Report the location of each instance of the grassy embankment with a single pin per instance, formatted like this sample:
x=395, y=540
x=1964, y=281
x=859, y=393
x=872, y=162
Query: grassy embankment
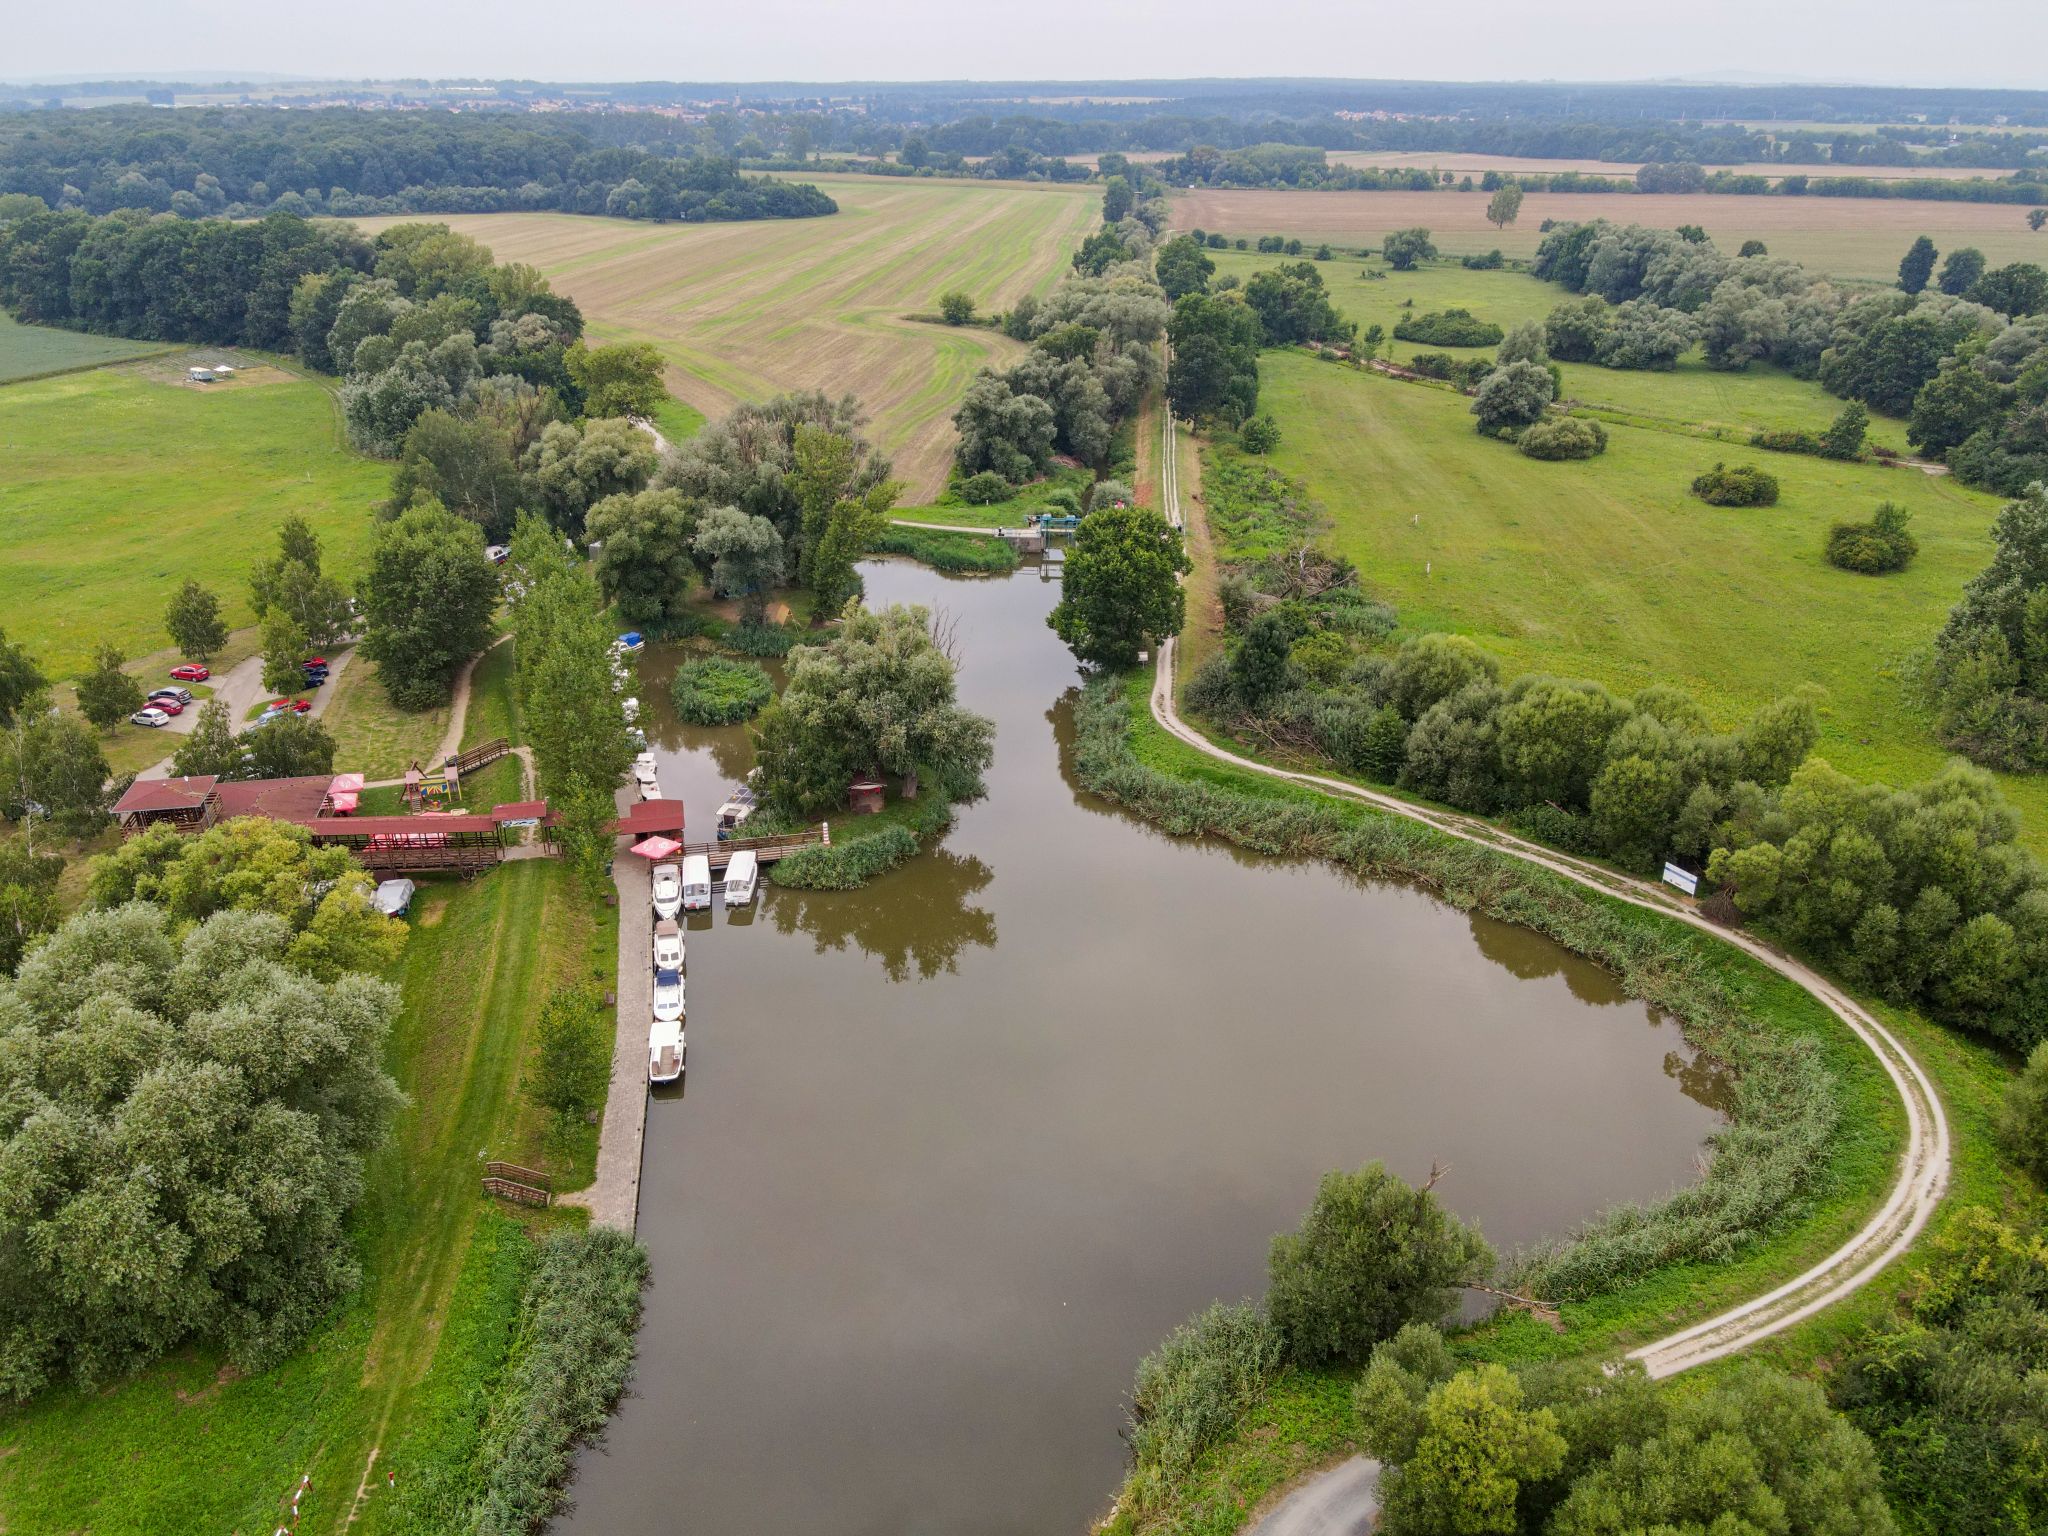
x=198, y=1446
x=1306, y=1419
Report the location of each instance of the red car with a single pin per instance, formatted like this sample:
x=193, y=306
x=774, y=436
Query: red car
x=314, y=661
x=168, y=706
x=191, y=672
x=296, y=706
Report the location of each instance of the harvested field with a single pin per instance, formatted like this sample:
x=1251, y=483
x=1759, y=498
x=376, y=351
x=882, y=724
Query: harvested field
x=747, y=310
x=1477, y=164
x=1846, y=237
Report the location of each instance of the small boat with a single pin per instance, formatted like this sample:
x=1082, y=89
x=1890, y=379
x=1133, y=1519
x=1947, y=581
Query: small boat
x=631, y=643
x=644, y=777
x=665, y=1051
x=742, y=874
x=668, y=945
x=695, y=884
x=668, y=889
x=668, y=996
x=732, y=815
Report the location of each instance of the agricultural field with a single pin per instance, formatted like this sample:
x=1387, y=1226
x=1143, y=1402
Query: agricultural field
x=746, y=310
x=1476, y=165
x=36, y=351
x=1609, y=569
x=1692, y=394
x=1845, y=237
x=118, y=484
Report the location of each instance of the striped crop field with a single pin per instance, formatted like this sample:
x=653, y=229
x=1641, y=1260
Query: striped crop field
x=746, y=310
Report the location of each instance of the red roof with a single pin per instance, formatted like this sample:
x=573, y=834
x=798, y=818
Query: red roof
x=523, y=810
x=296, y=800
x=649, y=816
x=165, y=795
x=372, y=826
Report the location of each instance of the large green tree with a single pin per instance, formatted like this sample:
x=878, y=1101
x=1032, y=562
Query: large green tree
x=195, y=1184
x=20, y=678
x=194, y=623
x=1120, y=588
x=426, y=600
x=1917, y=265
x=1373, y=1255
x=52, y=760
x=744, y=554
x=643, y=554
x=465, y=462
x=28, y=898
x=1403, y=248
x=843, y=513
x=622, y=379
x=575, y=465
x=107, y=694
x=877, y=697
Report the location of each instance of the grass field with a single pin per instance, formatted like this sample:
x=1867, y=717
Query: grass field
x=192, y=1445
x=747, y=310
x=32, y=351
x=1859, y=238
x=1691, y=394
x=118, y=484
x=1609, y=569
x=372, y=736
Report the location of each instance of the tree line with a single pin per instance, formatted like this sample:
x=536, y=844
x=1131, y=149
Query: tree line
x=239, y=163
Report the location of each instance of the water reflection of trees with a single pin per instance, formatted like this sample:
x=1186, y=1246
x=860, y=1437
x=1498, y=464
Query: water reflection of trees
x=1525, y=953
x=1702, y=1079
x=917, y=918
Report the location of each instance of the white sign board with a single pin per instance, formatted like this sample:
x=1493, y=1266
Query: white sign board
x=1684, y=879
x=521, y=821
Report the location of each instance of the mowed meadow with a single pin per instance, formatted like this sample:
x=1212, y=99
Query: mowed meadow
x=742, y=311
x=1845, y=237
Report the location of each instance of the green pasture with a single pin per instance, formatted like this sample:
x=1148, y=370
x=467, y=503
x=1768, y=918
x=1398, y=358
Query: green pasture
x=118, y=484
x=1610, y=569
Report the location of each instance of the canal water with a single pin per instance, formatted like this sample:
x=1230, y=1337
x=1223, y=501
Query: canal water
x=957, y=1149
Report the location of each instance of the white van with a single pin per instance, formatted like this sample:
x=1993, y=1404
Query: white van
x=696, y=883
x=741, y=876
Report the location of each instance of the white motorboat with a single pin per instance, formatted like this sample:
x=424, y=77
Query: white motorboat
x=668, y=996
x=665, y=1051
x=742, y=874
x=696, y=884
x=668, y=889
x=668, y=945
x=648, y=784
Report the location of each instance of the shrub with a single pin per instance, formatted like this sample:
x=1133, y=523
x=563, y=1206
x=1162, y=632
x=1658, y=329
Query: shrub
x=1880, y=545
x=570, y=1361
x=1372, y=1254
x=944, y=549
x=1844, y=436
x=1742, y=485
x=1259, y=435
x=2023, y=1115
x=1786, y=440
x=1565, y=437
x=758, y=639
x=1449, y=328
x=984, y=489
x=956, y=308
x=1490, y=262
x=1513, y=396
x=717, y=691
x=1192, y=1391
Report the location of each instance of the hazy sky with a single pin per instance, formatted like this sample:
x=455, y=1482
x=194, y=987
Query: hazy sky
x=1955, y=42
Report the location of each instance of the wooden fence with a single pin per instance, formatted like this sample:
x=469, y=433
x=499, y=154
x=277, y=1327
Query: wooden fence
x=766, y=849
x=525, y=1186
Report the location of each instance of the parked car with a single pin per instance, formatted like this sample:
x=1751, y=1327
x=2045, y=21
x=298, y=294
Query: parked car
x=168, y=706
x=394, y=897
x=149, y=717
x=190, y=672
x=314, y=661
x=668, y=995
x=668, y=890
x=668, y=945
x=182, y=695
x=284, y=706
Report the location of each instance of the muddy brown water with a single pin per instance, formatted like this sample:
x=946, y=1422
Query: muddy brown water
x=957, y=1149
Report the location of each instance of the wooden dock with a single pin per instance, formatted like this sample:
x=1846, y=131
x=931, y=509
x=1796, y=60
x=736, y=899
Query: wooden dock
x=525, y=1186
x=766, y=849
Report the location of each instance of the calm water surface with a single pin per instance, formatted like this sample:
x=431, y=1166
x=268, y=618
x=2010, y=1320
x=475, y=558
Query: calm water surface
x=956, y=1150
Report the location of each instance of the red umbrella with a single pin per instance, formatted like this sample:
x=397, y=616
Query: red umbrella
x=657, y=847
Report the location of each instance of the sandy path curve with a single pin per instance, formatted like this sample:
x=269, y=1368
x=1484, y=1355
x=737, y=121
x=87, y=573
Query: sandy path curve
x=1923, y=1167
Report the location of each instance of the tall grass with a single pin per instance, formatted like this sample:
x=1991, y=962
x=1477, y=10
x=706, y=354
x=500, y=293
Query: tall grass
x=945, y=550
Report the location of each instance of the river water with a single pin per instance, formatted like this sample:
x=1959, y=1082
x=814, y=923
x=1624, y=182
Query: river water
x=957, y=1149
